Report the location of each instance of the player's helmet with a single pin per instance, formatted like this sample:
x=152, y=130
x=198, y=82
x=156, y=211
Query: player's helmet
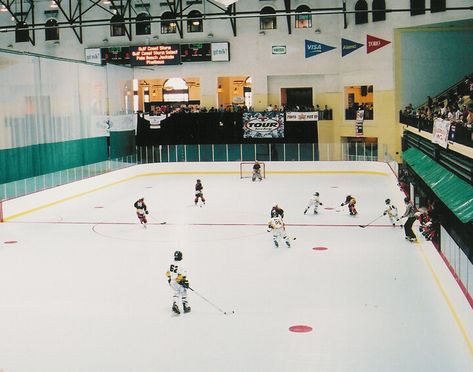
x=316, y=193
x=178, y=255
x=198, y=180
x=388, y=201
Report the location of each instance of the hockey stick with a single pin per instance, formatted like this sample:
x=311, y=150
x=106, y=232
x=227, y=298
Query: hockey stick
x=211, y=303
x=161, y=223
x=369, y=223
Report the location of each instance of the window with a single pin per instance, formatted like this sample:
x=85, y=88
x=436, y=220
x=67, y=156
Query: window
x=143, y=24
x=51, y=31
x=267, y=20
x=175, y=90
x=379, y=10
x=117, y=25
x=361, y=15
x=303, y=20
x=22, y=33
x=359, y=98
x=168, y=23
x=438, y=6
x=194, y=23
x=417, y=7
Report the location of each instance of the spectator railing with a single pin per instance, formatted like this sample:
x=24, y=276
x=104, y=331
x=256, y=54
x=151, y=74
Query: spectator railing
x=458, y=133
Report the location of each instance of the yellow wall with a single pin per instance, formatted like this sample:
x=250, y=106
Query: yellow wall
x=385, y=126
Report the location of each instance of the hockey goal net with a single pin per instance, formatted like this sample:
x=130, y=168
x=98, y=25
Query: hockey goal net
x=246, y=169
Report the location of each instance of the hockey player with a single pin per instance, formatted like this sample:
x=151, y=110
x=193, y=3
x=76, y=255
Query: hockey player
x=177, y=279
x=256, y=172
x=410, y=213
x=199, y=193
x=276, y=226
x=351, y=202
x=141, y=211
x=313, y=202
x=391, y=211
x=276, y=211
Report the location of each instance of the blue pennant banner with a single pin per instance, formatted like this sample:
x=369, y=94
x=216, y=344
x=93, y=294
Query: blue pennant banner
x=312, y=48
x=349, y=46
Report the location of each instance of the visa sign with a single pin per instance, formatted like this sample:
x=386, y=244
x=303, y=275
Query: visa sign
x=313, y=48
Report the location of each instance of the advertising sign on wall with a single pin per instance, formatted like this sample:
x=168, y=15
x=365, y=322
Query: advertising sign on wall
x=302, y=116
x=220, y=52
x=152, y=55
x=263, y=125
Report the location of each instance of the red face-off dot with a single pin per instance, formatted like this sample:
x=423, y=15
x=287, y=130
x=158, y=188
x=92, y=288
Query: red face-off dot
x=320, y=248
x=300, y=328
x=10, y=242
x=329, y=208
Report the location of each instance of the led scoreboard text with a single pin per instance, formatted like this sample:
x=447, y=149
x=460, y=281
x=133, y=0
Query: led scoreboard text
x=151, y=55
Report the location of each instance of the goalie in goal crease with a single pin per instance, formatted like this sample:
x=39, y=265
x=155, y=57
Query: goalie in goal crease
x=255, y=171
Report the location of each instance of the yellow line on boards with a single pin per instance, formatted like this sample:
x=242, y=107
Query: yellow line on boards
x=448, y=301
x=66, y=199
x=195, y=172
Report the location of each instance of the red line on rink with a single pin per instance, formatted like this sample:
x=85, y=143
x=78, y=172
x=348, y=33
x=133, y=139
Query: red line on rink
x=191, y=224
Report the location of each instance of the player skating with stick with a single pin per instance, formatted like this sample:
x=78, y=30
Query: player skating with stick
x=351, y=202
x=199, y=194
x=314, y=201
x=276, y=226
x=391, y=211
x=177, y=279
x=141, y=211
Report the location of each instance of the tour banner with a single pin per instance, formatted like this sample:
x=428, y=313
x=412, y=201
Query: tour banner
x=440, y=132
x=263, y=125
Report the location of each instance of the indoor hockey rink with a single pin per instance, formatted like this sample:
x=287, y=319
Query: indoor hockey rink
x=83, y=285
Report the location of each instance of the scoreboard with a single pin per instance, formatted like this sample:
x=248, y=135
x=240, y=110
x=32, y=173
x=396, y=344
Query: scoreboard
x=159, y=55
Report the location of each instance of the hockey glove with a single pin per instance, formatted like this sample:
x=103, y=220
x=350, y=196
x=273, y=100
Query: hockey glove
x=184, y=282
x=146, y=212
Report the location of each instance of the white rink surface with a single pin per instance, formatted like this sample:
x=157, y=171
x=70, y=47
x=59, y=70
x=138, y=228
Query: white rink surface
x=84, y=287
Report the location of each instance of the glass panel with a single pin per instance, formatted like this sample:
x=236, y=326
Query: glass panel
x=291, y=152
x=234, y=153
x=192, y=153
x=220, y=153
x=172, y=153
x=248, y=150
x=181, y=153
x=307, y=152
x=206, y=153
x=277, y=152
x=262, y=151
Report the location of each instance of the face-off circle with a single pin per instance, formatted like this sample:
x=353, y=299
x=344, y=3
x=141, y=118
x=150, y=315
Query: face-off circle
x=300, y=329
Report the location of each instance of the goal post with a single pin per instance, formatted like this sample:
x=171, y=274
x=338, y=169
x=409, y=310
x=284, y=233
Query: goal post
x=246, y=169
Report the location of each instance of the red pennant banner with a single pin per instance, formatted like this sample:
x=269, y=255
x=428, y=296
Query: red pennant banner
x=374, y=43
